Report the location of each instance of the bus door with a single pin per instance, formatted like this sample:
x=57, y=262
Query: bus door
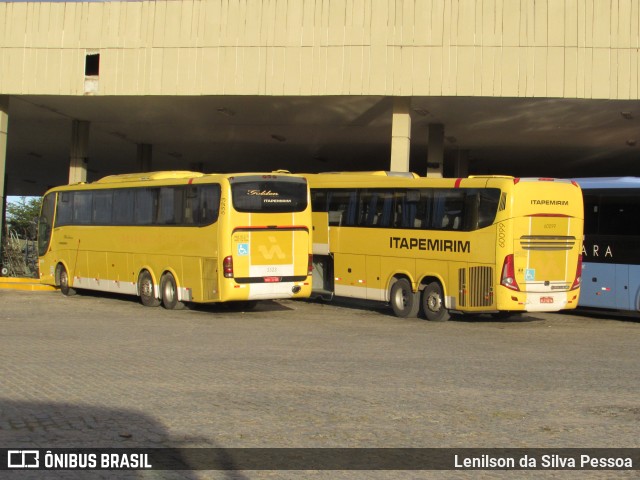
x=322, y=279
x=542, y=256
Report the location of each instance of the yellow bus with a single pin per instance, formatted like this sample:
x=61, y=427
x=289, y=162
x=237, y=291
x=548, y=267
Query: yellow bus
x=484, y=244
x=176, y=237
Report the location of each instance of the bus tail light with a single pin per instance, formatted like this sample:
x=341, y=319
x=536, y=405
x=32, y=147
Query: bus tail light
x=227, y=267
x=578, y=281
x=508, y=274
x=310, y=265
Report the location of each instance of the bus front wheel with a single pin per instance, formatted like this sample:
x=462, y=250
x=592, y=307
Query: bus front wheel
x=63, y=281
x=169, y=291
x=147, y=290
x=433, y=303
x=404, y=302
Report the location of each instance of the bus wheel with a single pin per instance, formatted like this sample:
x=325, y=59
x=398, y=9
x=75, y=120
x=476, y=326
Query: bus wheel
x=169, y=291
x=433, y=303
x=63, y=281
x=404, y=302
x=147, y=290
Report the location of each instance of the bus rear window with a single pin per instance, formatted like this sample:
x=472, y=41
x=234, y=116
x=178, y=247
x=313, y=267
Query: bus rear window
x=269, y=196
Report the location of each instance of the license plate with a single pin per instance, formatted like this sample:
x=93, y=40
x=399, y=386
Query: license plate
x=546, y=299
x=272, y=279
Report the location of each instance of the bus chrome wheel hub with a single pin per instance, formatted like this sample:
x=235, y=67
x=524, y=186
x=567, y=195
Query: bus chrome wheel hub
x=434, y=302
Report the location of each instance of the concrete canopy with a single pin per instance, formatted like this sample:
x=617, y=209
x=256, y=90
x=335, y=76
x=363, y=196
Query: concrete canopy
x=520, y=137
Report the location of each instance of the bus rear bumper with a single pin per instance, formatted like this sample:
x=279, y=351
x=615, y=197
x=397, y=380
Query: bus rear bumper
x=265, y=291
x=541, y=301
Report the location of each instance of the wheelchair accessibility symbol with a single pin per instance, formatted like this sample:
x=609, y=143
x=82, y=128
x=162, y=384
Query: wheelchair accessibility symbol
x=529, y=274
x=243, y=249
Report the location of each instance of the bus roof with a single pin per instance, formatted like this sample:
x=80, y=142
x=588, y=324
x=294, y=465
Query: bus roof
x=608, y=182
x=380, y=173
x=141, y=177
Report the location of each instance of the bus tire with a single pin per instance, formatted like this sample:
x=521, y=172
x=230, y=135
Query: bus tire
x=404, y=302
x=433, y=303
x=147, y=290
x=63, y=281
x=169, y=291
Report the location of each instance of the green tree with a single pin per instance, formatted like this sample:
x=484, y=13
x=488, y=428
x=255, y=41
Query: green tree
x=21, y=215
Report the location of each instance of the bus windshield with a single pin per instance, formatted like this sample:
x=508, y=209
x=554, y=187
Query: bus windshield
x=261, y=194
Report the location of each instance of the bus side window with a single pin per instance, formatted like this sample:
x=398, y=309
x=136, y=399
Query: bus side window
x=45, y=222
x=123, y=203
x=450, y=206
x=82, y=207
x=488, y=207
x=591, y=213
x=144, y=206
x=410, y=209
x=208, y=204
x=102, y=200
x=170, y=200
x=424, y=210
x=372, y=207
x=342, y=207
x=319, y=200
x=471, y=210
x=64, y=212
x=619, y=214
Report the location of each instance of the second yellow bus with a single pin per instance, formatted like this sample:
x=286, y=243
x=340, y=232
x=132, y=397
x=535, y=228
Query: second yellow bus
x=483, y=244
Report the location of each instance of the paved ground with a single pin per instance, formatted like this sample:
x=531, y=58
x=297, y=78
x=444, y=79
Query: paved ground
x=104, y=371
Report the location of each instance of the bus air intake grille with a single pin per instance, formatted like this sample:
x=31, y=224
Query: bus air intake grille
x=547, y=242
x=462, y=285
x=481, y=286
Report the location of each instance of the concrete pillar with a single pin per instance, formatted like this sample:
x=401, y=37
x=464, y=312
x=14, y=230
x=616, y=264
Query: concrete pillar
x=79, y=156
x=4, y=128
x=461, y=164
x=145, y=155
x=401, y=134
x=435, y=150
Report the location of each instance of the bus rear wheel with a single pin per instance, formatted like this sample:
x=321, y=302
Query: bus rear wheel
x=169, y=291
x=433, y=303
x=63, y=281
x=147, y=290
x=404, y=302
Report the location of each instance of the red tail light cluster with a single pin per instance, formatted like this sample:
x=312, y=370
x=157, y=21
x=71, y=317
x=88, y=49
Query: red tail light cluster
x=508, y=274
x=227, y=266
x=310, y=265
